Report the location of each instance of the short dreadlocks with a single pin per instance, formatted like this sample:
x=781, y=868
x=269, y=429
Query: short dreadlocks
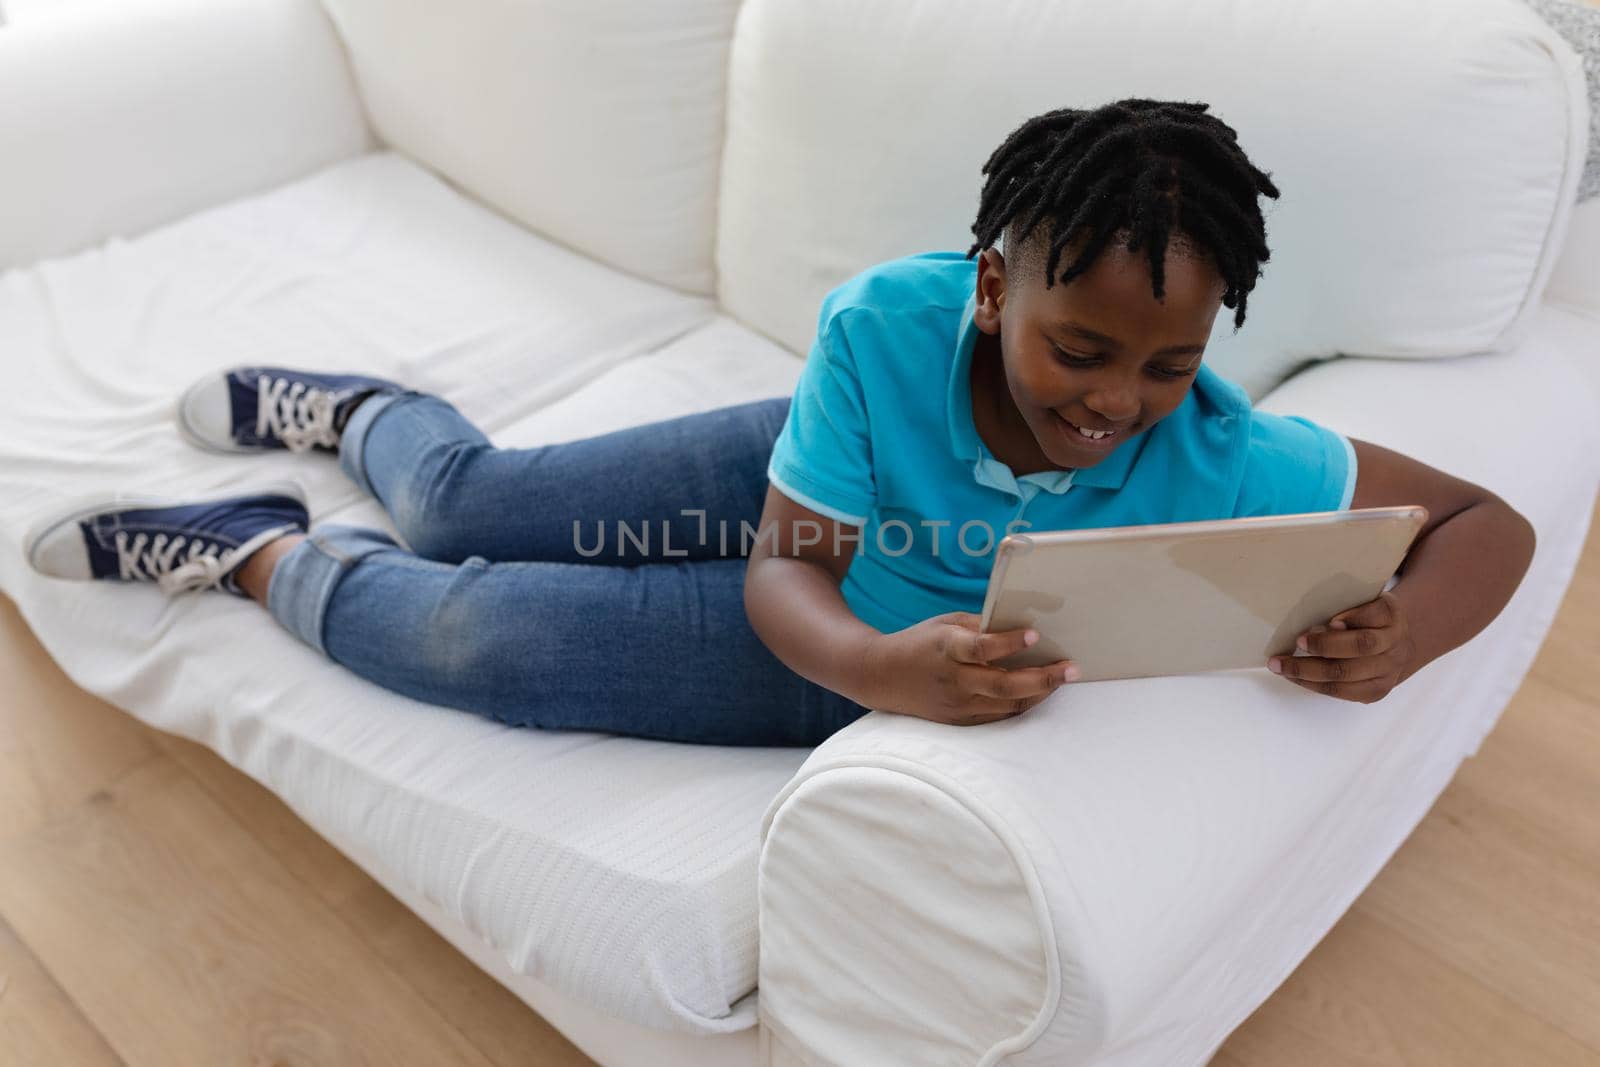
x=1159, y=171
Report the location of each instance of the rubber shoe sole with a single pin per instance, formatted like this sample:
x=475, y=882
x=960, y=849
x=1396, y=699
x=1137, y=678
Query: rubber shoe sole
x=85, y=507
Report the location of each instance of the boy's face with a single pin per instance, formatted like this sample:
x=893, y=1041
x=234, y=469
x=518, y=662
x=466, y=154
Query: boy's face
x=1060, y=378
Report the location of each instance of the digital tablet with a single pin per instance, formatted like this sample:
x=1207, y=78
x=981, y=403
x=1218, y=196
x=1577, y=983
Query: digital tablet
x=1180, y=598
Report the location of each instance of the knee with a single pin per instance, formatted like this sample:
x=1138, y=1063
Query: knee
x=431, y=511
x=477, y=658
x=458, y=649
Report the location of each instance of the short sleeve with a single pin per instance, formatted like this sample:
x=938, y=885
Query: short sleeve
x=823, y=456
x=1295, y=466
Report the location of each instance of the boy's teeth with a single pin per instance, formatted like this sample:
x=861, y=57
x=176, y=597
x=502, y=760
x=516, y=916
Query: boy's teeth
x=1095, y=434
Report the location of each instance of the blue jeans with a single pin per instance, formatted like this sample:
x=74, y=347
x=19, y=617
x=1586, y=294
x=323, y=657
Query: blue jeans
x=591, y=585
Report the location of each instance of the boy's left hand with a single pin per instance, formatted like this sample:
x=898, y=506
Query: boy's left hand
x=1357, y=655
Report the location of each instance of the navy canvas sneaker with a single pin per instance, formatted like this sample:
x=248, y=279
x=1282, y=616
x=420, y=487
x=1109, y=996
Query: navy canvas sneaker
x=247, y=409
x=180, y=545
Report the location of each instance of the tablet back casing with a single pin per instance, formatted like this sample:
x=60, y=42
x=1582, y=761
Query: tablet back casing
x=1141, y=601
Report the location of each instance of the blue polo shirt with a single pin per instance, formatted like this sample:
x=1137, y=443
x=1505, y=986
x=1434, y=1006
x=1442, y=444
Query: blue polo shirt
x=880, y=435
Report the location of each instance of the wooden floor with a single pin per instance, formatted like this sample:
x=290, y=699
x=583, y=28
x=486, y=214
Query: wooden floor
x=159, y=908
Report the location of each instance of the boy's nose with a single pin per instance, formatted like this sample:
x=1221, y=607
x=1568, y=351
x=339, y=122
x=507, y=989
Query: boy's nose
x=1115, y=406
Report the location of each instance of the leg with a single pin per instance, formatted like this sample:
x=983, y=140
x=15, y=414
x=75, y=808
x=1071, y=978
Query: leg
x=660, y=650
x=682, y=486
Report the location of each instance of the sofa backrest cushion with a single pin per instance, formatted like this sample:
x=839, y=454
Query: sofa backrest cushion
x=1425, y=151
x=596, y=124
x=117, y=118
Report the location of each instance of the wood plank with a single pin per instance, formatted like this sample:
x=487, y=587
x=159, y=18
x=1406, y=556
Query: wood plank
x=39, y=1024
x=183, y=941
x=58, y=744
x=301, y=850
x=502, y=1027
x=498, y=1024
x=1543, y=763
x=1477, y=886
x=1369, y=996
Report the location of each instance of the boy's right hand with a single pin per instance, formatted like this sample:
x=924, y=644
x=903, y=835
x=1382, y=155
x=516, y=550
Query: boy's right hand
x=940, y=670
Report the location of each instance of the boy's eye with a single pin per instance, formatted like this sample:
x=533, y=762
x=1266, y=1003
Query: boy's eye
x=1073, y=359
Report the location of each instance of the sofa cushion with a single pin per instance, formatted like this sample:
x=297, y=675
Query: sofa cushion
x=599, y=125
x=1426, y=152
x=617, y=871
x=1578, y=22
x=118, y=117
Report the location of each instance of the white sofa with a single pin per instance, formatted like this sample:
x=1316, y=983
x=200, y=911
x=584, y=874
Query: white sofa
x=574, y=216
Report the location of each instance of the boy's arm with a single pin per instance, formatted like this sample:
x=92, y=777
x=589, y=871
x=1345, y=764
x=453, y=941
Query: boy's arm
x=1460, y=572
x=792, y=598
x=1467, y=560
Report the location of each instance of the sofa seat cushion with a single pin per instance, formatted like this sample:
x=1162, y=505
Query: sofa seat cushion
x=617, y=871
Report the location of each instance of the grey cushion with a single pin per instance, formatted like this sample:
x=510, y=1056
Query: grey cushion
x=1579, y=23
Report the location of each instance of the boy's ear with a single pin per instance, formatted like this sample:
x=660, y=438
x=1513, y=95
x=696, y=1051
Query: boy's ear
x=991, y=294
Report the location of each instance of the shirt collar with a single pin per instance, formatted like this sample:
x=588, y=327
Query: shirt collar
x=1110, y=473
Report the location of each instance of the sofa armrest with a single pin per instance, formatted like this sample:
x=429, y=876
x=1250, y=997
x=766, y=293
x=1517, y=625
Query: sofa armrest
x=123, y=117
x=1118, y=878
x=904, y=917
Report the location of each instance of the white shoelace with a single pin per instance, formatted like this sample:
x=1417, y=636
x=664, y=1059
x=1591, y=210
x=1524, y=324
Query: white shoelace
x=299, y=415
x=203, y=565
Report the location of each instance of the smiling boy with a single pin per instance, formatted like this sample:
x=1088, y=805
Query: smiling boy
x=1077, y=399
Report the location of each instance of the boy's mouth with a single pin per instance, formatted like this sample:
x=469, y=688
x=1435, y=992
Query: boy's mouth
x=1078, y=438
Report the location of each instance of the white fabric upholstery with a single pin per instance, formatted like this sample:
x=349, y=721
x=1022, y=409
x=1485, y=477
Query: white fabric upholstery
x=619, y=873
x=1179, y=844
x=1425, y=152
x=117, y=118
x=599, y=125
x=604, y=1038
x=15, y=11
x=1576, y=282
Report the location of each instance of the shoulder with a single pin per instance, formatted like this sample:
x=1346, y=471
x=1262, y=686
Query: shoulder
x=1209, y=433
x=1214, y=397
x=1219, y=456
x=1220, y=411
x=931, y=286
x=1288, y=464
x=1196, y=454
